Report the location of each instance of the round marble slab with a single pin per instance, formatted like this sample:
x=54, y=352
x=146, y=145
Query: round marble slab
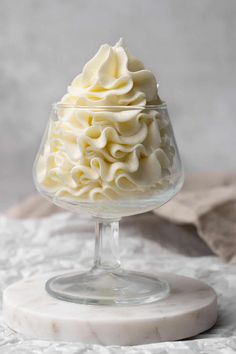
x=190, y=309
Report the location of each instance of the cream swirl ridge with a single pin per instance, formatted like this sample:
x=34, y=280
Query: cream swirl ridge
x=95, y=154
x=113, y=77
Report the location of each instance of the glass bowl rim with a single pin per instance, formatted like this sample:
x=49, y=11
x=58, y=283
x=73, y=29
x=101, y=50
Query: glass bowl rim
x=163, y=105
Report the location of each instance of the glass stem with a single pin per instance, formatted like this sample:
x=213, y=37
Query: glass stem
x=107, y=255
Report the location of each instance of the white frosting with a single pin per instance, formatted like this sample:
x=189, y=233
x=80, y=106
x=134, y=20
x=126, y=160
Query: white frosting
x=95, y=154
x=113, y=77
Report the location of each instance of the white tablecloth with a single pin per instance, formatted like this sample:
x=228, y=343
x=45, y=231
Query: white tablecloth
x=65, y=241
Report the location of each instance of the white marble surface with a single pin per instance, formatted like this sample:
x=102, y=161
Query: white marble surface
x=34, y=247
x=189, y=309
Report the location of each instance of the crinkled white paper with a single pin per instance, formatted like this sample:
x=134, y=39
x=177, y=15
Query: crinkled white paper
x=63, y=241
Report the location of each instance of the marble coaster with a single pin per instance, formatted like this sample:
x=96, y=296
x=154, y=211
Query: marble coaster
x=190, y=309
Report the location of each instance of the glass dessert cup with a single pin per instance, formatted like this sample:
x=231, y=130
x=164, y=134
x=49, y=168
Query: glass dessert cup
x=108, y=283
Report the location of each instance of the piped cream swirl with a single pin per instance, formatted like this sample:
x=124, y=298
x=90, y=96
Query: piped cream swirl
x=95, y=154
x=113, y=77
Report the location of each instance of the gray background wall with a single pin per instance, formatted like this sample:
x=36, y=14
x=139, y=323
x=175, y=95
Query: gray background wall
x=189, y=44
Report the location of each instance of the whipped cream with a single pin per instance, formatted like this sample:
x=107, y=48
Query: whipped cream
x=93, y=153
x=113, y=77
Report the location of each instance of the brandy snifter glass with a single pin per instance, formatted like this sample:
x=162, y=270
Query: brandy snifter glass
x=76, y=169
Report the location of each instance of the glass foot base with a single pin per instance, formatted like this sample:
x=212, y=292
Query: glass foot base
x=105, y=287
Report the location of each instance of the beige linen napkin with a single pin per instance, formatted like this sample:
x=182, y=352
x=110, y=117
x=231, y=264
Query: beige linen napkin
x=209, y=203
x=206, y=201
